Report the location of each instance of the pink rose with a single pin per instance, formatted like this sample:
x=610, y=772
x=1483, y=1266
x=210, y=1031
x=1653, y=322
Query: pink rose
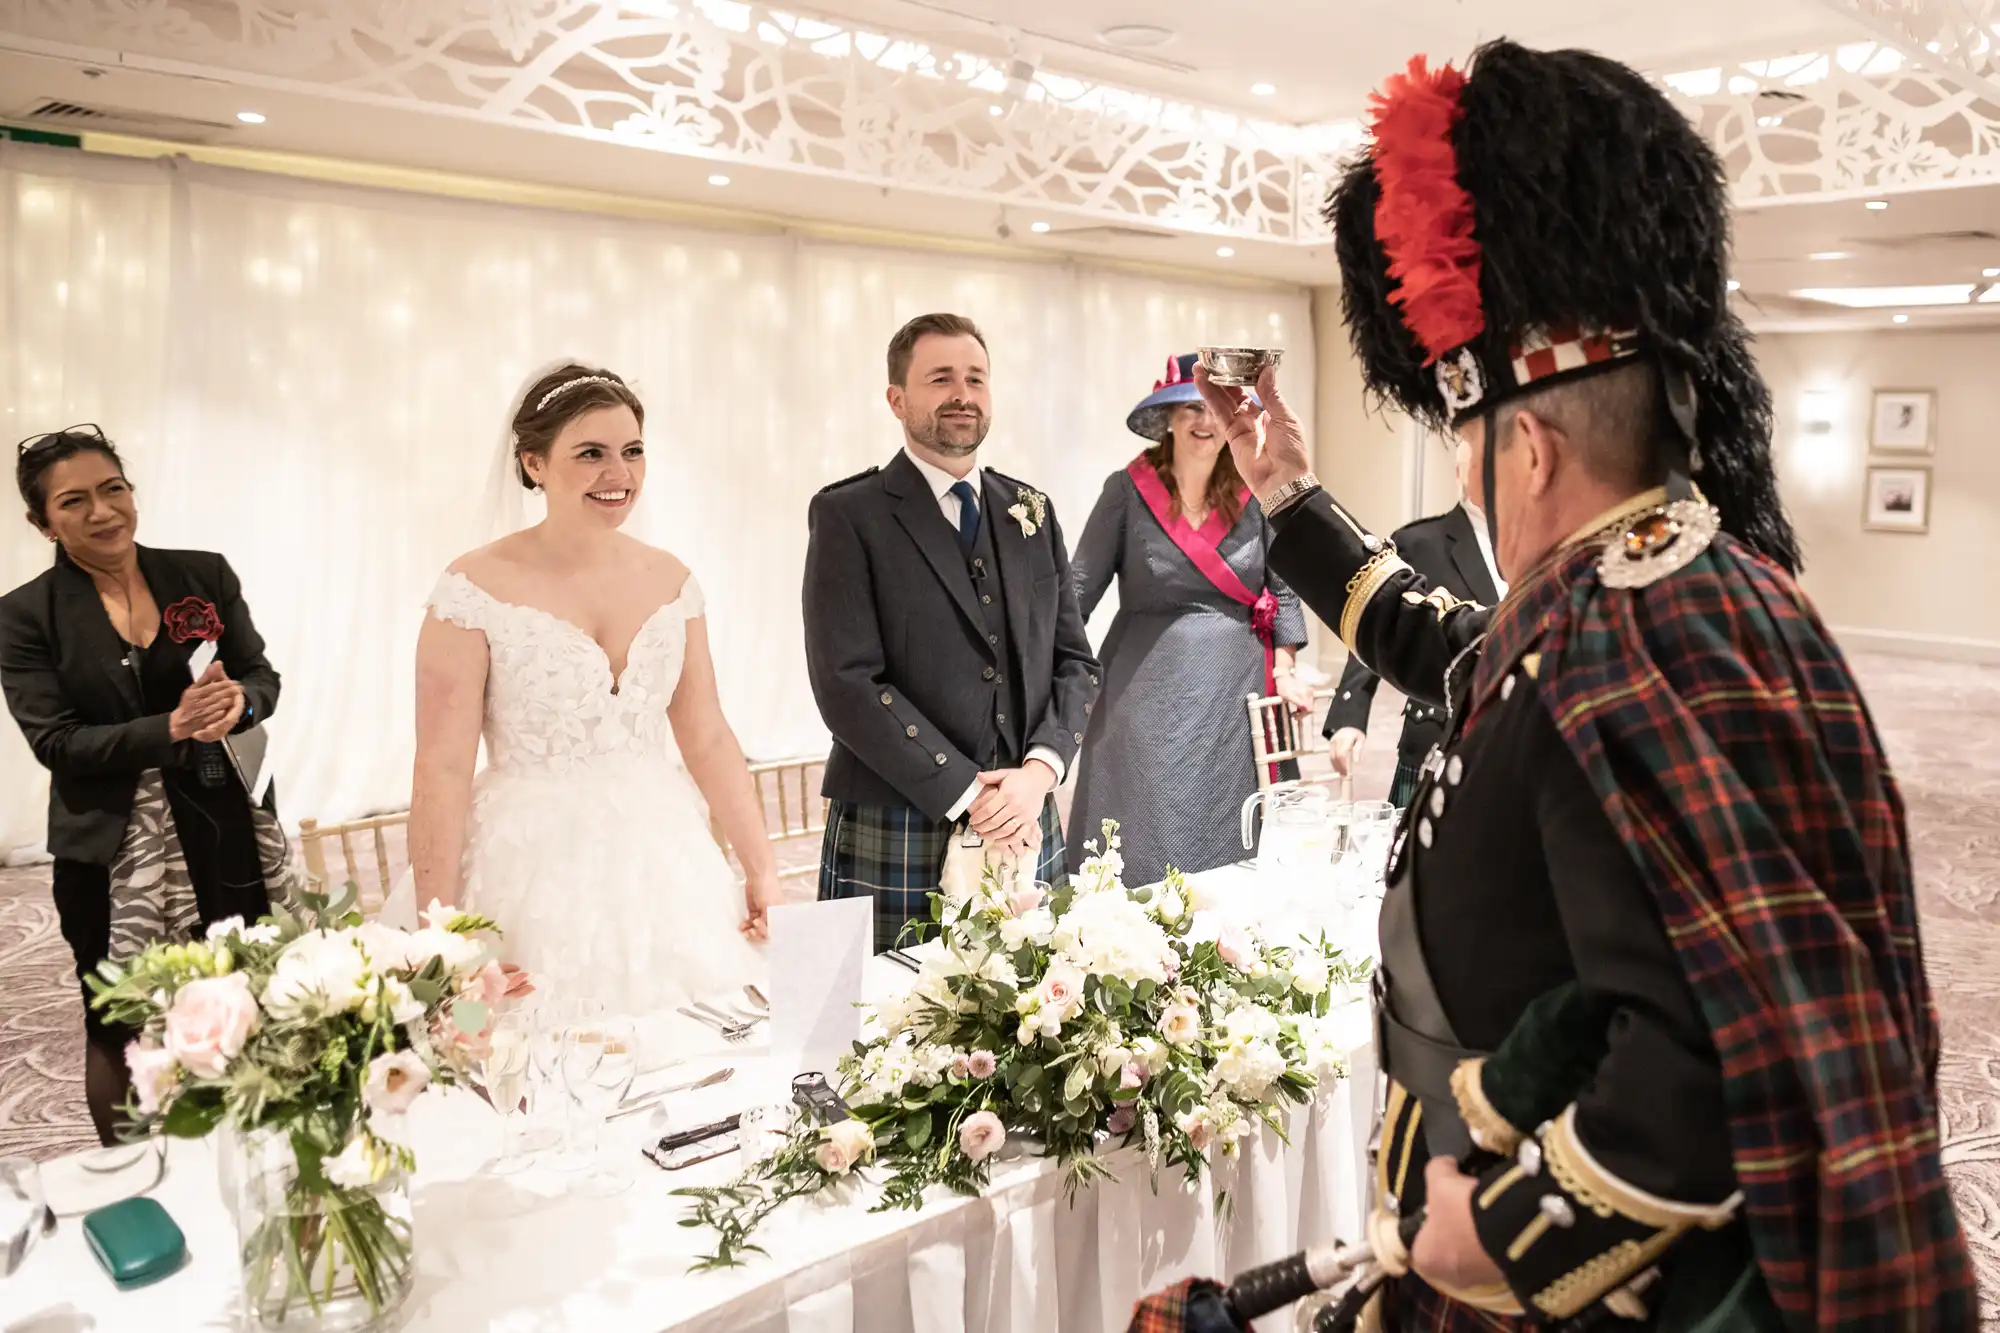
x=1235, y=946
x=394, y=1082
x=1200, y=1133
x=153, y=1075
x=1133, y=1076
x=981, y=1135
x=1023, y=900
x=209, y=1022
x=1061, y=988
x=1123, y=1117
x=981, y=1064
x=832, y=1158
x=960, y=1065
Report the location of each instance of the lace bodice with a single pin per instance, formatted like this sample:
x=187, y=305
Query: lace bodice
x=551, y=702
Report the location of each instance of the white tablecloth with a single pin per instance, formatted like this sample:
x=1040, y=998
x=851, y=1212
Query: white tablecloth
x=516, y=1254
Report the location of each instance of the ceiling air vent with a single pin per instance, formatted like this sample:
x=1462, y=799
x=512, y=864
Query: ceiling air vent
x=77, y=118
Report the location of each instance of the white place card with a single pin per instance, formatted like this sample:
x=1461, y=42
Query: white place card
x=817, y=953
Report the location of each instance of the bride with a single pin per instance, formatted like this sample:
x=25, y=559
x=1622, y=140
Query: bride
x=582, y=656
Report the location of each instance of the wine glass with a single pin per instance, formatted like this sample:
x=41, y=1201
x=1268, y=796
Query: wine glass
x=548, y=1101
x=504, y=1074
x=599, y=1061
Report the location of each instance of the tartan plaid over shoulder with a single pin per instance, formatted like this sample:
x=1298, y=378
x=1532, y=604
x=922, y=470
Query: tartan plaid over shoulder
x=1730, y=746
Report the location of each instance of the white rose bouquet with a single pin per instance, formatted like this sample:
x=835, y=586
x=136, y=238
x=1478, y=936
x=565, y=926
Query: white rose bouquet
x=1100, y=1014
x=303, y=1036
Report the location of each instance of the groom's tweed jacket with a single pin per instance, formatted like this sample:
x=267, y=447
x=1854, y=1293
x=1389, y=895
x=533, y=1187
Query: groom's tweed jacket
x=930, y=666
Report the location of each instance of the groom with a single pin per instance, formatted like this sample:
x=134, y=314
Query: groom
x=943, y=641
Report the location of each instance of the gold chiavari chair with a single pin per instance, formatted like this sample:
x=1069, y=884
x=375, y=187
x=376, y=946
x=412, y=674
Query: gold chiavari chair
x=353, y=836
x=788, y=794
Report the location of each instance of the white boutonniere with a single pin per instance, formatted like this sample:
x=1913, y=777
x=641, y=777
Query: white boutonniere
x=1031, y=510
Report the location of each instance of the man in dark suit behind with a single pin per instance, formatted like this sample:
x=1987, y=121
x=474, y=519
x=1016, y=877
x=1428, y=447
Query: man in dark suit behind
x=943, y=641
x=1451, y=551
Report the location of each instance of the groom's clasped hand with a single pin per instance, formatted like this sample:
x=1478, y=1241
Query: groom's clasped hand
x=1007, y=812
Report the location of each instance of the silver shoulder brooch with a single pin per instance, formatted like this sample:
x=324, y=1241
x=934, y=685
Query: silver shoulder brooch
x=1657, y=542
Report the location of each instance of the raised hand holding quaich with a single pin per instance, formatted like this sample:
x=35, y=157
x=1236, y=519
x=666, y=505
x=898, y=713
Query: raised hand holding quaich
x=1269, y=444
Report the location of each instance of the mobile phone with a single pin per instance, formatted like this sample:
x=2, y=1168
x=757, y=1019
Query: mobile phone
x=688, y=1154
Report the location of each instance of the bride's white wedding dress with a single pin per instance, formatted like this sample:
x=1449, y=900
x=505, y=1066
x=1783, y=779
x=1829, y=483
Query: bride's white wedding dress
x=588, y=842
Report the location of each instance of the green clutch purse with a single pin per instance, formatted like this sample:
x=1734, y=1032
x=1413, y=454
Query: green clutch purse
x=136, y=1241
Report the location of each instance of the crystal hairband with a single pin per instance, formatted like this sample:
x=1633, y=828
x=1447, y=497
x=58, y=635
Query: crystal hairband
x=567, y=385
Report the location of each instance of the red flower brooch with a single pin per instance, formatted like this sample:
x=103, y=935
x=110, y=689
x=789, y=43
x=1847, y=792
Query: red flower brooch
x=192, y=618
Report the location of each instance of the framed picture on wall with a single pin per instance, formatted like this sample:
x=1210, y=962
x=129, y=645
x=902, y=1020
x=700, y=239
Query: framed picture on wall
x=1903, y=421
x=1898, y=499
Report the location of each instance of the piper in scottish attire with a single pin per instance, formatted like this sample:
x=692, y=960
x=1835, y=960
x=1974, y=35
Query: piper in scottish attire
x=1652, y=997
x=943, y=644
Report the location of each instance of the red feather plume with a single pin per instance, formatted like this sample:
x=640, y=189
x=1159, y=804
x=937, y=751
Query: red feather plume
x=1423, y=219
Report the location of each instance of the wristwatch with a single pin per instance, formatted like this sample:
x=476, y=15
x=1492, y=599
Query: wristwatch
x=1289, y=494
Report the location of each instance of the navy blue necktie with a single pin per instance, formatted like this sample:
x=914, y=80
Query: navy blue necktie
x=968, y=515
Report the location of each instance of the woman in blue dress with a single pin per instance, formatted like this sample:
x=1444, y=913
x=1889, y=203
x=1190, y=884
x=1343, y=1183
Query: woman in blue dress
x=1200, y=625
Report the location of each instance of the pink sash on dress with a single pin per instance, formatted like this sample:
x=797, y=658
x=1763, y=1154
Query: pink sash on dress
x=1200, y=546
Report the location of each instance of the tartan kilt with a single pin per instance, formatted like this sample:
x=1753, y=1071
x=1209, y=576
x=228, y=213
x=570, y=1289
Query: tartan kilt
x=1404, y=785
x=895, y=854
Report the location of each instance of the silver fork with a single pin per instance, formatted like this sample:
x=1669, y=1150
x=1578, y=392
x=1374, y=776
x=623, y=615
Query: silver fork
x=733, y=1032
x=733, y=1029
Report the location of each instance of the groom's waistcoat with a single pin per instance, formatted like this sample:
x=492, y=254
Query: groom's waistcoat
x=1000, y=744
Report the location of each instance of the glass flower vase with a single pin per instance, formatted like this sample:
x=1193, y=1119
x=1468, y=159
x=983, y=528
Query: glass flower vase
x=317, y=1257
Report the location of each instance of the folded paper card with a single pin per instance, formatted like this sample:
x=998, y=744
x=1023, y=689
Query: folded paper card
x=817, y=953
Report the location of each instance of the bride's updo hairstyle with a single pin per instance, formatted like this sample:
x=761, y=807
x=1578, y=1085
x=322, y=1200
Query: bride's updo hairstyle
x=558, y=398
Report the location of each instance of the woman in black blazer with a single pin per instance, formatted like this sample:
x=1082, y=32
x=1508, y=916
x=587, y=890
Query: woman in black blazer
x=152, y=832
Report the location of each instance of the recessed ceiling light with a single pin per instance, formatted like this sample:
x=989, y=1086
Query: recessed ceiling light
x=995, y=109
x=1038, y=226
x=1769, y=122
x=1264, y=89
x=718, y=179
x=251, y=117
x=1827, y=254
x=1989, y=272
x=1136, y=36
x=1225, y=252
x=1876, y=205
x=1900, y=319
x=1734, y=284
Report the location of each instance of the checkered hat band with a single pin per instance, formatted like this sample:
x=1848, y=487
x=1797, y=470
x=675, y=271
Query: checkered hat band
x=1541, y=353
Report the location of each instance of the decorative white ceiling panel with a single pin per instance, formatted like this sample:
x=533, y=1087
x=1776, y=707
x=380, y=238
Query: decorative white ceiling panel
x=1860, y=119
x=738, y=82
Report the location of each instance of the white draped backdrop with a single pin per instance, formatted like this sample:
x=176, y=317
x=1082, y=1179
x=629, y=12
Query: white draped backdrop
x=314, y=381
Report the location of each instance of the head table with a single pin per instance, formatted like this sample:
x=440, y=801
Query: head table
x=519, y=1254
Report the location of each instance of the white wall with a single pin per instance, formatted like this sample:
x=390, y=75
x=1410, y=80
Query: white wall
x=1927, y=594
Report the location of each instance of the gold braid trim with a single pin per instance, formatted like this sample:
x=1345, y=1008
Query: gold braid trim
x=1580, y=1174
x=1384, y=565
x=1574, y=1290
x=1490, y=1129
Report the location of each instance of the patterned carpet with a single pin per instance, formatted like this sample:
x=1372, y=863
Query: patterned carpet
x=1938, y=719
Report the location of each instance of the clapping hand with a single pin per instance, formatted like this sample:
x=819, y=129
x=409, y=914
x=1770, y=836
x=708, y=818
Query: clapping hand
x=1008, y=813
x=209, y=709
x=1269, y=445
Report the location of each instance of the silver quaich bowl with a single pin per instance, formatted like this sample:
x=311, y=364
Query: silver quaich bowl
x=1239, y=366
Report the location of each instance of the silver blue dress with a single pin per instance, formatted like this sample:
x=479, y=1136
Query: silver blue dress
x=1167, y=752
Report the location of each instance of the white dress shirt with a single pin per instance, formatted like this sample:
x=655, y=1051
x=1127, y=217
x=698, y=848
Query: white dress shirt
x=1478, y=517
x=949, y=505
